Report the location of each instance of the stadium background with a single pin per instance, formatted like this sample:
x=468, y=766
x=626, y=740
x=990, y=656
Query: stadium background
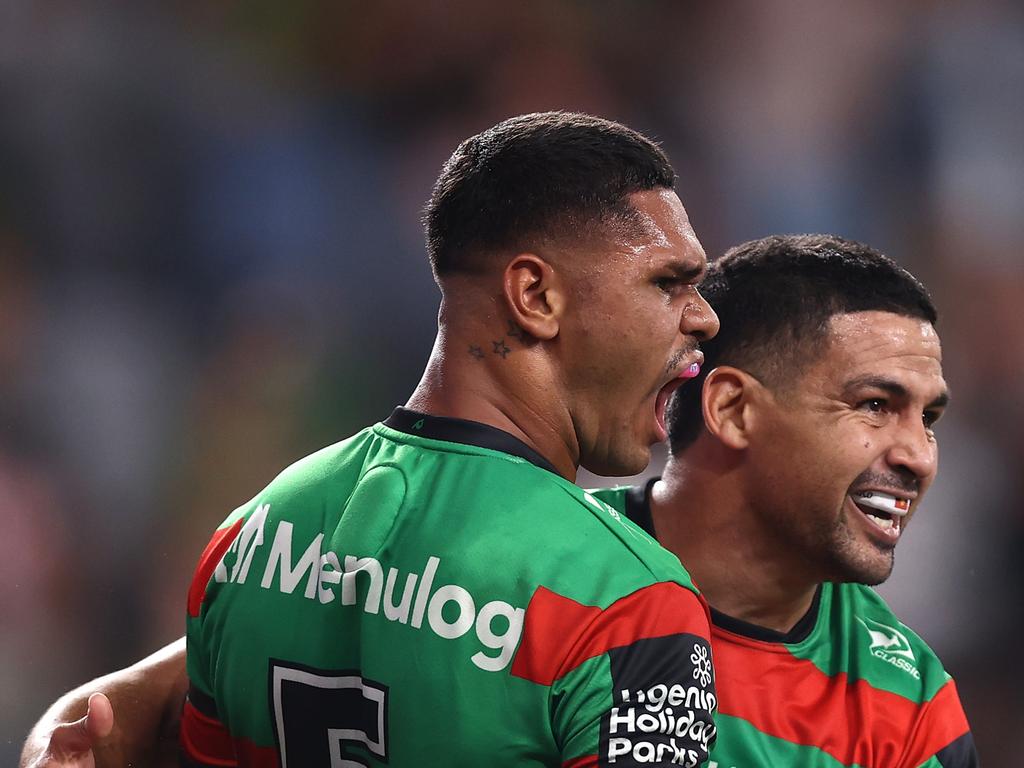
x=211, y=262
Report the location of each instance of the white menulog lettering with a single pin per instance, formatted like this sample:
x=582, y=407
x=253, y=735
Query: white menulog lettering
x=450, y=610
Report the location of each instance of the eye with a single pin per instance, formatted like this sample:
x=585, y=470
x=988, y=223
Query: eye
x=669, y=285
x=929, y=418
x=673, y=286
x=873, y=404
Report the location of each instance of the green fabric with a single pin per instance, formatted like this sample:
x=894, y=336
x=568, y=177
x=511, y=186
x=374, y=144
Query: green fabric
x=489, y=526
x=856, y=637
x=853, y=629
x=741, y=745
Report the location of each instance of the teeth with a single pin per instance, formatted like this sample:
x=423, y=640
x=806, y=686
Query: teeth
x=884, y=502
x=885, y=523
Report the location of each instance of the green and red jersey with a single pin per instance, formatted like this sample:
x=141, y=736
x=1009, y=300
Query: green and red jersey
x=849, y=685
x=431, y=592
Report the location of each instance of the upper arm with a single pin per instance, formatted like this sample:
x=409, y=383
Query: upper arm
x=161, y=678
x=942, y=737
x=146, y=699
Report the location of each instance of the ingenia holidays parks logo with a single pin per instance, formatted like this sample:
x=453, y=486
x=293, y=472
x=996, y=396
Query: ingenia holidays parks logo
x=329, y=576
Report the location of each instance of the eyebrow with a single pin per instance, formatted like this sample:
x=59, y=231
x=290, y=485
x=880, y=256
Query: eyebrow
x=688, y=272
x=894, y=388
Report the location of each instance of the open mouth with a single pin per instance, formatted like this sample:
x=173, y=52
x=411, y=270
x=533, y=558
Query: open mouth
x=883, y=510
x=665, y=394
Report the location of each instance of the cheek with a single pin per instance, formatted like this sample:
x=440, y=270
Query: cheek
x=851, y=443
x=829, y=460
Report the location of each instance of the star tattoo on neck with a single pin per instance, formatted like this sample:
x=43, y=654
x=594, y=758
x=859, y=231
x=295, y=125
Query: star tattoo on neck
x=516, y=332
x=476, y=352
x=500, y=348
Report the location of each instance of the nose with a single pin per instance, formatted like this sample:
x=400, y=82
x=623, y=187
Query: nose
x=699, y=319
x=914, y=450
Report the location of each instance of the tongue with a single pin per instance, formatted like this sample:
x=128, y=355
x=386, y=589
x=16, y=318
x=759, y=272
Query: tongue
x=666, y=392
x=872, y=512
x=662, y=403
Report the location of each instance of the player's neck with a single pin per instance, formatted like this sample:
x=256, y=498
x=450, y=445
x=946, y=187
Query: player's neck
x=700, y=514
x=465, y=381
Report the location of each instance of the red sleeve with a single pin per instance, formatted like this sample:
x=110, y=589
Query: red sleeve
x=205, y=742
x=203, y=739
x=649, y=699
x=943, y=733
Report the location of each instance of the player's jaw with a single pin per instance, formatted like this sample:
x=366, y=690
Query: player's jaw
x=649, y=422
x=875, y=511
x=634, y=417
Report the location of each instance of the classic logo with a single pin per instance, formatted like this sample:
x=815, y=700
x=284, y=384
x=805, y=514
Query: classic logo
x=890, y=645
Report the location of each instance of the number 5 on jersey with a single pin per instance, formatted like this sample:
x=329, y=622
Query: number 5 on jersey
x=317, y=713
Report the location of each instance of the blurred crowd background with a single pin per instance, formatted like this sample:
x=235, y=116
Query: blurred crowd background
x=211, y=262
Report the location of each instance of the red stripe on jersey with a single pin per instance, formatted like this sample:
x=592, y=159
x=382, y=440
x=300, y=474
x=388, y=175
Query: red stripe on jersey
x=559, y=634
x=792, y=699
x=587, y=761
x=253, y=756
x=208, y=564
x=550, y=629
x=204, y=739
x=943, y=723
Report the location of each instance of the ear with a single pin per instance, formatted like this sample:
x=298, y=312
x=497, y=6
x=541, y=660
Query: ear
x=534, y=294
x=728, y=399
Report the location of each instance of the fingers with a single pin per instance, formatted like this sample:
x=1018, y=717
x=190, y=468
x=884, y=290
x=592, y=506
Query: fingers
x=70, y=740
x=99, y=720
x=72, y=744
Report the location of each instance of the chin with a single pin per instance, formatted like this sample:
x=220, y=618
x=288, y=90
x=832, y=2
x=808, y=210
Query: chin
x=618, y=465
x=870, y=571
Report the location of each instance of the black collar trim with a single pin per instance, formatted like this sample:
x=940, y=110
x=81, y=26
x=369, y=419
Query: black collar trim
x=638, y=509
x=466, y=432
x=800, y=631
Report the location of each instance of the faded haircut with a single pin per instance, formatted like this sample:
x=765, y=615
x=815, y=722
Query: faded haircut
x=542, y=175
x=775, y=297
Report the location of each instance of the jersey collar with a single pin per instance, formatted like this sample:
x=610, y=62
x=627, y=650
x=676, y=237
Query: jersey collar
x=466, y=432
x=800, y=631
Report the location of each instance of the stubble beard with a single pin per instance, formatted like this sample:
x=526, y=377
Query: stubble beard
x=849, y=559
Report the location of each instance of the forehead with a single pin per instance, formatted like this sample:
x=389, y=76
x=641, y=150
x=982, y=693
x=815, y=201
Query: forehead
x=882, y=343
x=665, y=233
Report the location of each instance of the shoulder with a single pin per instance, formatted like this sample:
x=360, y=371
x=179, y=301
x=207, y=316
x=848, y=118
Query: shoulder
x=324, y=465
x=893, y=659
x=897, y=658
x=613, y=508
x=615, y=497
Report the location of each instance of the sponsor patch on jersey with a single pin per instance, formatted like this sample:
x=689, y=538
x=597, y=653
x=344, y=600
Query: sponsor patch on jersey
x=413, y=599
x=663, y=702
x=891, y=646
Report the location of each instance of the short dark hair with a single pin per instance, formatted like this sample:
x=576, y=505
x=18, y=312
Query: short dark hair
x=544, y=174
x=775, y=297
